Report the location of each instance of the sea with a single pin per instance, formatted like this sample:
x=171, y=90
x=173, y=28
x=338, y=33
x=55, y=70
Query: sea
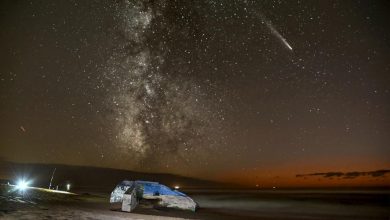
x=296, y=204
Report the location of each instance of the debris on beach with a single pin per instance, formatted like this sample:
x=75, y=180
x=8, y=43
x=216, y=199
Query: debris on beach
x=127, y=195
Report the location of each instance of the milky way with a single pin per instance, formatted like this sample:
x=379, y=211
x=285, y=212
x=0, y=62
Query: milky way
x=156, y=115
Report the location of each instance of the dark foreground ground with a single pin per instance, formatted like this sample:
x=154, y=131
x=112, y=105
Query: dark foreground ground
x=272, y=204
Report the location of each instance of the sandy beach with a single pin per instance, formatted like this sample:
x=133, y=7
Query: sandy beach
x=38, y=203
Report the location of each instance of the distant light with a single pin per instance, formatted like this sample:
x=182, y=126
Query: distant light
x=177, y=187
x=274, y=187
x=22, y=185
x=68, y=187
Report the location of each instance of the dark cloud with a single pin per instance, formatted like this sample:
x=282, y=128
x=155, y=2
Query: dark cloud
x=348, y=175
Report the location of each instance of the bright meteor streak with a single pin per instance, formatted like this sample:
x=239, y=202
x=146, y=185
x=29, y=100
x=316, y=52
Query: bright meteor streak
x=287, y=44
x=274, y=31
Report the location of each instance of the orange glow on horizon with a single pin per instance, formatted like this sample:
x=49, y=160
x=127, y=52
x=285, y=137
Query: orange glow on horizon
x=285, y=176
x=251, y=180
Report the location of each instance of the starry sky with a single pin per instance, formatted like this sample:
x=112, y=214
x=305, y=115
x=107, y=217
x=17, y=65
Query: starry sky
x=261, y=92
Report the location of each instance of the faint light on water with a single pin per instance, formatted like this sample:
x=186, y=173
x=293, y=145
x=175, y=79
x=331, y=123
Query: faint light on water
x=68, y=187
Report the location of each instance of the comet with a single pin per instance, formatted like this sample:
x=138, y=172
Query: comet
x=273, y=30
x=277, y=34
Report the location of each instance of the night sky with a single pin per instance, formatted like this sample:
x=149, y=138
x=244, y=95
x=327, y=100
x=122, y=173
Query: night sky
x=244, y=91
